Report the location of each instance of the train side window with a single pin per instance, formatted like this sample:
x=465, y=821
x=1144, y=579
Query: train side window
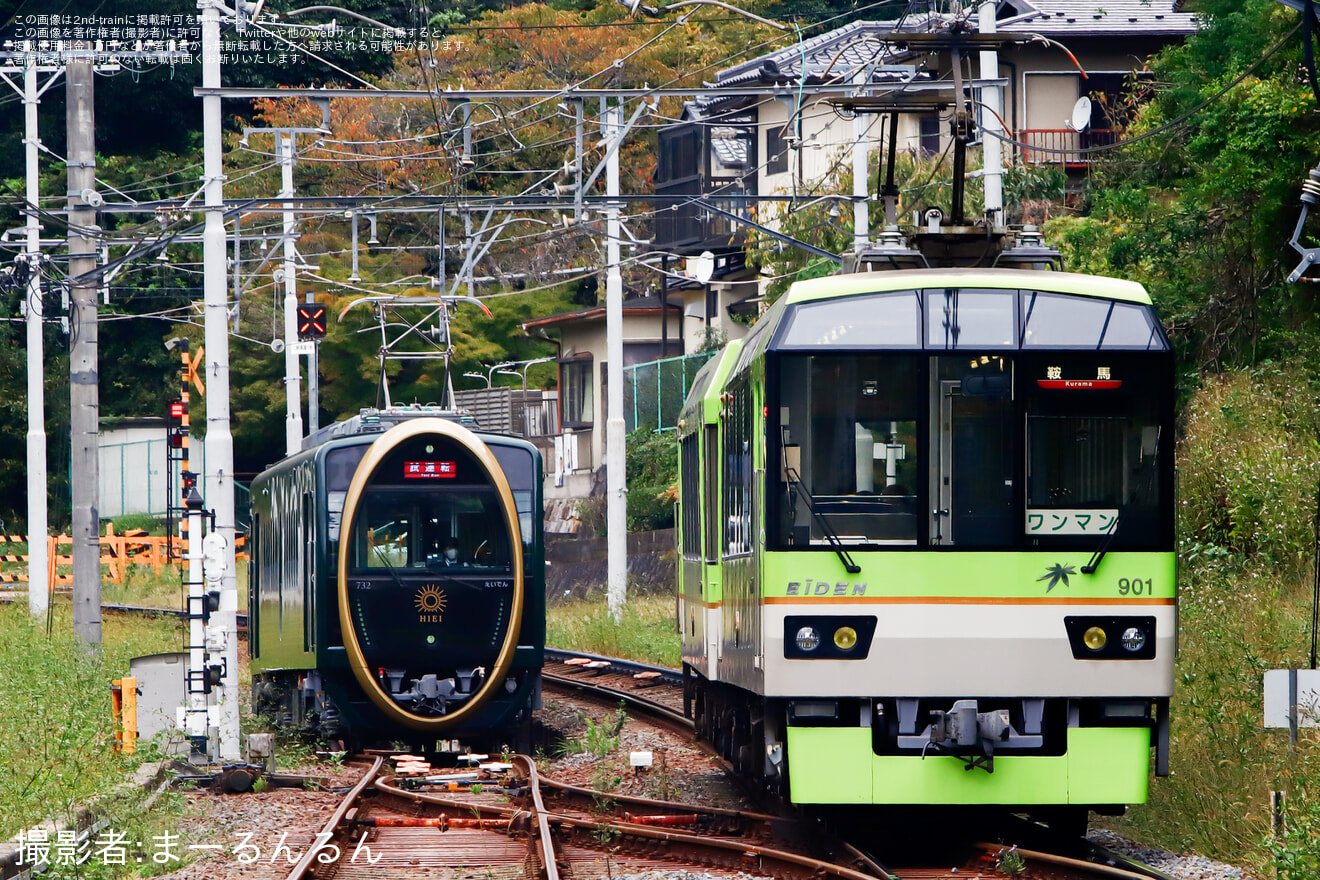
x=309, y=571
x=711, y=495
x=520, y=471
x=340, y=465
x=691, y=509
x=254, y=585
x=738, y=472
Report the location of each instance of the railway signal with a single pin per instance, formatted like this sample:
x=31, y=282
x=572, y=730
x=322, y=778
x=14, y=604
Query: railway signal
x=311, y=322
x=178, y=423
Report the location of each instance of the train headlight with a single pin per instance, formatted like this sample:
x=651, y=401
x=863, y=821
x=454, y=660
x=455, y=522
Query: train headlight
x=807, y=638
x=1122, y=637
x=828, y=636
x=1095, y=638
x=845, y=638
x=1133, y=639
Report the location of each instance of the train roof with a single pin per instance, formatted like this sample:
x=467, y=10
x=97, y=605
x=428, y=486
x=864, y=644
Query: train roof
x=377, y=421
x=702, y=402
x=1023, y=279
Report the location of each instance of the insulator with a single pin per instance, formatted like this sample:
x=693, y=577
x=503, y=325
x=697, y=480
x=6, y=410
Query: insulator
x=1311, y=187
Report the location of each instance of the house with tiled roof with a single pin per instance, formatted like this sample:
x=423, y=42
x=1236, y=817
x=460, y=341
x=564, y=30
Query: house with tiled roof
x=772, y=127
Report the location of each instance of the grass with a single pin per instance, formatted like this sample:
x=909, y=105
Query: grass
x=647, y=633
x=1238, y=619
x=1247, y=468
x=56, y=728
x=159, y=589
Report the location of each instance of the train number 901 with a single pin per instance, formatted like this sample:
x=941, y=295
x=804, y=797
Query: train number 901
x=1135, y=587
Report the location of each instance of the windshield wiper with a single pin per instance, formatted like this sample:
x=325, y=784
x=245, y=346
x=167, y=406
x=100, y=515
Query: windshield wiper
x=1100, y=552
x=794, y=480
x=388, y=567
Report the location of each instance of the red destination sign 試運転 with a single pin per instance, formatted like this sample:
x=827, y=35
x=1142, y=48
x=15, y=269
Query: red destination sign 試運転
x=429, y=470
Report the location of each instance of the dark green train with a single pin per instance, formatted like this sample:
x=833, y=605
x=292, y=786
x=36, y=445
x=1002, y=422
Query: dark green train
x=396, y=584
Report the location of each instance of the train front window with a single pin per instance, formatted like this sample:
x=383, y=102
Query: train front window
x=1096, y=450
x=848, y=451
x=458, y=532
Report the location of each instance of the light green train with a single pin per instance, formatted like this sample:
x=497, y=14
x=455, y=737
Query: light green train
x=927, y=543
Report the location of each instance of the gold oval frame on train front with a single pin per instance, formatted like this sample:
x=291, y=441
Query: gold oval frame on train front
x=376, y=453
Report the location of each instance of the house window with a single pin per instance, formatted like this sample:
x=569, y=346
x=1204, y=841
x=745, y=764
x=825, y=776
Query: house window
x=930, y=135
x=776, y=150
x=575, y=393
x=641, y=352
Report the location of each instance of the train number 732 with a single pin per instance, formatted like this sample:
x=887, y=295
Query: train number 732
x=1135, y=587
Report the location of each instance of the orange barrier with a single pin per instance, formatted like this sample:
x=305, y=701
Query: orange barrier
x=133, y=547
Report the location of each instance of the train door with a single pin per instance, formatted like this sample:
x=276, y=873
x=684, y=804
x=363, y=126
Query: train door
x=692, y=575
x=712, y=595
x=309, y=572
x=971, y=436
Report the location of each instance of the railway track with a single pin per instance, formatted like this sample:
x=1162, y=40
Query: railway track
x=505, y=821
x=652, y=690
x=528, y=826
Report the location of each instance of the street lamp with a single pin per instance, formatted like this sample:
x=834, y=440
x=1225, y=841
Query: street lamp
x=479, y=376
x=522, y=371
x=489, y=375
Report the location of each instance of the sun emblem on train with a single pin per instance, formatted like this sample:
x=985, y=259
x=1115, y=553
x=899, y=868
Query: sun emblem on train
x=430, y=600
x=1056, y=573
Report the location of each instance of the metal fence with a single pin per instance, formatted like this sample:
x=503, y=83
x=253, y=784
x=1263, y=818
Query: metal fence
x=132, y=476
x=653, y=392
x=531, y=413
x=133, y=480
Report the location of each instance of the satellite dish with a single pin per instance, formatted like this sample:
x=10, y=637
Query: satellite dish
x=702, y=267
x=1081, y=114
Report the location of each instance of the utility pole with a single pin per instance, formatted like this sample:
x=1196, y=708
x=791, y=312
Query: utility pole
x=861, y=210
x=84, y=395
x=34, y=316
x=616, y=487
x=992, y=148
x=37, y=528
x=293, y=423
x=223, y=630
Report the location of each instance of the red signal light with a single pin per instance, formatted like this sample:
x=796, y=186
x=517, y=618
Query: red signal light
x=311, y=321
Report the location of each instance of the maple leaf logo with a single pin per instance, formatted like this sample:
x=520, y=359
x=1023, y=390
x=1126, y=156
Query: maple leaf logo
x=1056, y=573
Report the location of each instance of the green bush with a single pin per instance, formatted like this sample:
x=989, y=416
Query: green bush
x=652, y=478
x=1247, y=469
x=1297, y=852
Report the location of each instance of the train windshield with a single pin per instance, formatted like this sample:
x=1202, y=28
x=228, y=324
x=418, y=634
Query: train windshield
x=979, y=449
x=456, y=532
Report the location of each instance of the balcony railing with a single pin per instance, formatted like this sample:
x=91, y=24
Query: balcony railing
x=1064, y=146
